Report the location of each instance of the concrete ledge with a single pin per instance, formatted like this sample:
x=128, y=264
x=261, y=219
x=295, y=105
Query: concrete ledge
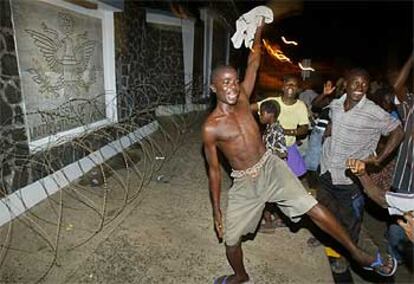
x=178, y=109
x=26, y=197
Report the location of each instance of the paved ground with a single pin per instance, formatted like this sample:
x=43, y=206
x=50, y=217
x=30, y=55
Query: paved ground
x=165, y=235
x=144, y=229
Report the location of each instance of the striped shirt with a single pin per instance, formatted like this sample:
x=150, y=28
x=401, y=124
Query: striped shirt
x=355, y=134
x=323, y=119
x=403, y=179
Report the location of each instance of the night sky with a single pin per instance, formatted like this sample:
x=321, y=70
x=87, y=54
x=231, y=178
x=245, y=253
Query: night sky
x=374, y=35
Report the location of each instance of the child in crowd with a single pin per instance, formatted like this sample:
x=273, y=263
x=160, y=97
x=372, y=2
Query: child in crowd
x=273, y=136
x=294, y=120
x=274, y=139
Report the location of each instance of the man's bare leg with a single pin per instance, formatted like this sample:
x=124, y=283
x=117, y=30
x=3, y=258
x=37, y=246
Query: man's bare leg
x=235, y=257
x=326, y=221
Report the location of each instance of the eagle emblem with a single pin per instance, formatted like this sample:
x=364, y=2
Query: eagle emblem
x=68, y=59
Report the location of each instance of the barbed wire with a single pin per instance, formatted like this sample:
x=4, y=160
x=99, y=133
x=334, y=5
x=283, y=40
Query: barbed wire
x=40, y=239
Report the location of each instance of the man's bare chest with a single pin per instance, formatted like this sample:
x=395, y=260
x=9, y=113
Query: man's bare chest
x=236, y=126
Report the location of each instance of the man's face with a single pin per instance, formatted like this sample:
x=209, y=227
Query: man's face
x=290, y=88
x=357, y=87
x=226, y=86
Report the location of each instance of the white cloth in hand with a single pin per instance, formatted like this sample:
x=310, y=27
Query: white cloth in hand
x=247, y=24
x=399, y=203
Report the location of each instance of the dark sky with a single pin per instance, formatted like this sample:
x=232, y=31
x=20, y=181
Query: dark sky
x=371, y=34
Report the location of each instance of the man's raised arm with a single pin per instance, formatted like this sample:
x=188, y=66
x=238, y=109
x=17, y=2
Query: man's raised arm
x=326, y=97
x=399, y=84
x=253, y=62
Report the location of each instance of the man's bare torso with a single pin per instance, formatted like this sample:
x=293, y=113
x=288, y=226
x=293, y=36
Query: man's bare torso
x=237, y=134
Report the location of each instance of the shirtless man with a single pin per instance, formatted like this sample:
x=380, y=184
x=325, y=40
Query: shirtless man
x=259, y=177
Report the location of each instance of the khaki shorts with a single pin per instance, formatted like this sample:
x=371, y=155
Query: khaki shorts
x=248, y=195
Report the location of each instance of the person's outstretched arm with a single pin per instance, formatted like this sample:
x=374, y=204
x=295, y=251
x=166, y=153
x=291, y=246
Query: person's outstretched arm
x=377, y=194
x=374, y=192
x=326, y=97
x=214, y=176
x=253, y=62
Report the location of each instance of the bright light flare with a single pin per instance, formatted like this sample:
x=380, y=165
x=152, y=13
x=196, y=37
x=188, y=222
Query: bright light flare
x=276, y=53
x=305, y=68
x=289, y=41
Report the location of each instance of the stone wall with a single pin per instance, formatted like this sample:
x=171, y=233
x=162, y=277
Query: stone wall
x=149, y=60
x=149, y=70
x=13, y=139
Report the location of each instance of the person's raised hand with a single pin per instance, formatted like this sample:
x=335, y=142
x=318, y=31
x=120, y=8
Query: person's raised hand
x=328, y=88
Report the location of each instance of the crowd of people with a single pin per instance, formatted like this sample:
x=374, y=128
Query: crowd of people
x=353, y=134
